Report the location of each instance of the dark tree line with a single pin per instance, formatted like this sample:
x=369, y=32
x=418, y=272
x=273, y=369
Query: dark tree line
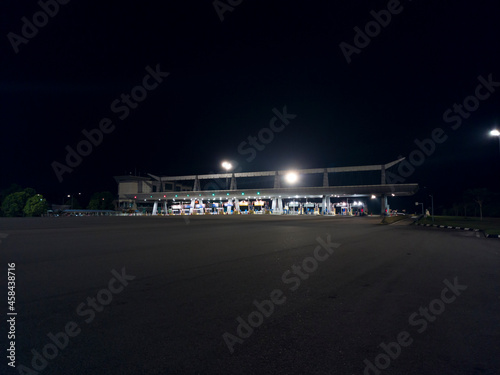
x=16, y=201
x=479, y=202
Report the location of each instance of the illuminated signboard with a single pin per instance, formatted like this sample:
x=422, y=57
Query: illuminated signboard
x=243, y=203
x=259, y=203
x=309, y=205
x=176, y=207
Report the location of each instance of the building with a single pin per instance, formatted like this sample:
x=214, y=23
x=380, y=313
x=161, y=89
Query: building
x=314, y=191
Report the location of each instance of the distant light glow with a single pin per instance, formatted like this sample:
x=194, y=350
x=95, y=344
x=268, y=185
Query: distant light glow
x=227, y=165
x=373, y=196
x=291, y=177
x=495, y=133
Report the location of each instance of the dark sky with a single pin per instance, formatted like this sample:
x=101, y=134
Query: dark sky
x=226, y=78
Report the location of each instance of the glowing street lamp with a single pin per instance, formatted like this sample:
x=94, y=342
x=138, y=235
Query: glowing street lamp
x=291, y=177
x=496, y=133
x=227, y=165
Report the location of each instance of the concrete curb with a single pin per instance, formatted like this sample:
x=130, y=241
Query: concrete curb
x=460, y=228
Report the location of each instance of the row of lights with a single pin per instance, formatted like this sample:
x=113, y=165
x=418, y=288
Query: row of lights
x=258, y=193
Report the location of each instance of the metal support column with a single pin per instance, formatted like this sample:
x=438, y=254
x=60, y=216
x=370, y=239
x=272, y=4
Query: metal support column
x=192, y=206
x=277, y=183
x=325, y=178
x=383, y=204
x=196, y=186
x=233, y=183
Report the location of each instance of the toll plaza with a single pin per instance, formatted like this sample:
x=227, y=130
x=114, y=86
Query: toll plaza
x=287, y=192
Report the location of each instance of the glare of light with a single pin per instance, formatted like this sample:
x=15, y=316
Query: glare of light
x=226, y=165
x=291, y=177
x=495, y=133
x=373, y=196
x=392, y=195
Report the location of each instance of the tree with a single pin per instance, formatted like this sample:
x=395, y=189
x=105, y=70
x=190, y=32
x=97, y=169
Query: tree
x=467, y=201
x=13, y=204
x=101, y=201
x=30, y=191
x=36, y=206
x=479, y=196
x=13, y=188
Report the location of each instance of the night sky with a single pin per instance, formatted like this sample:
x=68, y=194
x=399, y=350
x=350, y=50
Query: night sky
x=226, y=77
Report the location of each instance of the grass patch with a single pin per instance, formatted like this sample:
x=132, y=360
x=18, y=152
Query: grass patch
x=393, y=219
x=490, y=225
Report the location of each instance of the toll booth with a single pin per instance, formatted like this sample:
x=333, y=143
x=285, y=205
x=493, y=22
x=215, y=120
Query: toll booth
x=259, y=206
x=176, y=209
x=309, y=208
x=293, y=208
x=243, y=207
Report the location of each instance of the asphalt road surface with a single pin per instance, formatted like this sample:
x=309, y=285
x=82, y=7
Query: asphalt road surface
x=248, y=295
